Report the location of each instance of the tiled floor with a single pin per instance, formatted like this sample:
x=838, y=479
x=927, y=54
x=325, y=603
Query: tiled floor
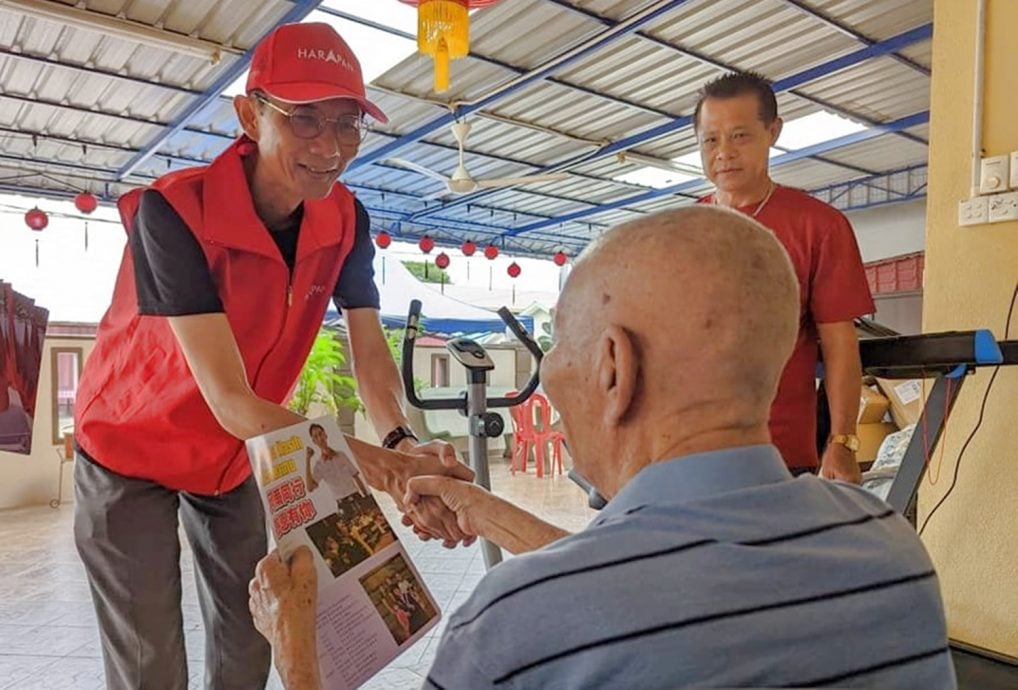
x=48, y=635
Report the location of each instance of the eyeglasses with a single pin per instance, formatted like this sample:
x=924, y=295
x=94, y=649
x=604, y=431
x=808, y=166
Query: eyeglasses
x=349, y=129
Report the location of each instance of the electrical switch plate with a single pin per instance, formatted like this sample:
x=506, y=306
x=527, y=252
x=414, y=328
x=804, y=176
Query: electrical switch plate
x=1014, y=170
x=974, y=211
x=993, y=175
x=1003, y=207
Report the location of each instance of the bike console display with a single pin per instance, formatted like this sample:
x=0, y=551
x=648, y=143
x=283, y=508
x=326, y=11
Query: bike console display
x=470, y=354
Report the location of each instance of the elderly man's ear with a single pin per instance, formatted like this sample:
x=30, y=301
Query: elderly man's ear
x=617, y=367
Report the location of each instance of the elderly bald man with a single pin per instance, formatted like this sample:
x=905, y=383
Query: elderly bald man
x=710, y=565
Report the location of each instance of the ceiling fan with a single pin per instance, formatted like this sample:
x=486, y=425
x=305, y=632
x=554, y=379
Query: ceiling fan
x=461, y=182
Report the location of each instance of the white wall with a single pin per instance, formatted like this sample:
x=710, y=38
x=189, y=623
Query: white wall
x=902, y=312
x=890, y=230
x=504, y=359
x=32, y=479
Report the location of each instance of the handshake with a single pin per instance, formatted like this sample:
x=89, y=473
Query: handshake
x=430, y=486
x=435, y=493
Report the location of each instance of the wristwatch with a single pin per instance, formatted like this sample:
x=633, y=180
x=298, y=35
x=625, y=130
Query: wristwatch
x=850, y=441
x=393, y=438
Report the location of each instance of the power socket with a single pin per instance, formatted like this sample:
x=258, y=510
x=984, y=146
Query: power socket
x=1003, y=207
x=974, y=211
x=993, y=174
x=1014, y=170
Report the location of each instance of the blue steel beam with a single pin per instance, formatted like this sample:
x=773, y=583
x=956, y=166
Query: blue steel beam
x=229, y=138
x=851, y=115
x=776, y=162
x=913, y=188
x=725, y=67
x=498, y=63
x=907, y=38
x=587, y=91
x=853, y=34
x=226, y=137
x=488, y=231
x=186, y=160
x=297, y=12
x=622, y=30
x=865, y=180
x=877, y=204
x=77, y=171
x=477, y=231
x=428, y=204
x=551, y=80
x=902, y=40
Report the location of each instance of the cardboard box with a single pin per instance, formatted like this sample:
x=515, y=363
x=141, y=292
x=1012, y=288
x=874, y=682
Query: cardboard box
x=870, y=438
x=872, y=406
x=906, y=397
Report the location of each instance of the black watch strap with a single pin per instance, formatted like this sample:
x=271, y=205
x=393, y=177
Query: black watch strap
x=393, y=438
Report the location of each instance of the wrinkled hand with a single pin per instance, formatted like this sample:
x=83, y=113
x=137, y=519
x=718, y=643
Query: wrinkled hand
x=840, y=463
x=431, y=519
x=283, y=599
x=461, y=498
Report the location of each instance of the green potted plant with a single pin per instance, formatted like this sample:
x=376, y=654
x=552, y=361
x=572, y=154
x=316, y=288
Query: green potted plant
x=322, y=381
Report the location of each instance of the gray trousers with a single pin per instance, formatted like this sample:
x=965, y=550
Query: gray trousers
x=126, y=533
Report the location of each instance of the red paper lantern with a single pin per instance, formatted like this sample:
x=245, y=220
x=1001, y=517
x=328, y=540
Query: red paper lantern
x=383, y=239
x=36, y=219
x=514, y=270
x=491, y=252
x=560, y=258
x=442, y=260
x=86, y=203
x=426, y=244
x=469, y=248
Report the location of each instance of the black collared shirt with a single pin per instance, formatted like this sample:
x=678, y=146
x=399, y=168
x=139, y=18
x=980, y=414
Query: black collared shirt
x=172, y=277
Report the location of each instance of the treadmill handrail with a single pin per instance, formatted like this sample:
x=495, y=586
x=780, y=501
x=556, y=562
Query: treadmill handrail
x=917, y=356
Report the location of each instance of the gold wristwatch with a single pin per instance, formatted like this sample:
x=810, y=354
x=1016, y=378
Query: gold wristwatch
x=850, y=441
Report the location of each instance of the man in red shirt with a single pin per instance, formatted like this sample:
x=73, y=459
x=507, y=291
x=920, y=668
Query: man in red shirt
x=737, y=122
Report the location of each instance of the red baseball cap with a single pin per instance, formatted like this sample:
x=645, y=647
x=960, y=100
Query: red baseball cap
x=305, y=63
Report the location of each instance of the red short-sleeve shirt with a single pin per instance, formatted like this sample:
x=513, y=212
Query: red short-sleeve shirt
x=832, y=288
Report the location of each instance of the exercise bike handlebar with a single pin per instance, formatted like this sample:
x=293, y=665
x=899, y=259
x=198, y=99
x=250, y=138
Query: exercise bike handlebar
x=410, y=336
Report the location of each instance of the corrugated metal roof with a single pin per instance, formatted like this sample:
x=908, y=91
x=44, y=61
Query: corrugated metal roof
x=77, y=104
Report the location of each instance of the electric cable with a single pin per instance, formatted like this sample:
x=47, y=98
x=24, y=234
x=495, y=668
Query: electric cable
x=979, y=422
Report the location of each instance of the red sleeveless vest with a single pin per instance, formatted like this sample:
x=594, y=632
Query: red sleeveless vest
x=138, y=410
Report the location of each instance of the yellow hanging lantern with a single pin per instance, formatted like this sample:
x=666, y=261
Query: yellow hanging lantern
x=443, y=32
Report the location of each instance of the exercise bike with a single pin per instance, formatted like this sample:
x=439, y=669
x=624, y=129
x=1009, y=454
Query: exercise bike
x=474, y=404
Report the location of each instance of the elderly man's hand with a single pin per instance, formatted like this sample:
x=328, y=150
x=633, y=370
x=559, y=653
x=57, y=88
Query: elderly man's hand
x=840, y=463
x=282, y=600
x=431, y=519
x=462, y=498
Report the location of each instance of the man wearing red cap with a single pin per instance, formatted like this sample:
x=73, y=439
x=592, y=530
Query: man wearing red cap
x=223, y=287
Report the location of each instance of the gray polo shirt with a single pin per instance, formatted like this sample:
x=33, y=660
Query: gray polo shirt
x=711, y=570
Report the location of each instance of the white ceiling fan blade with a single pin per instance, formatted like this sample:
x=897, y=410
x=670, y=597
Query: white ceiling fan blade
x=437, y=196
x=524, y=179
x=410, y=165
